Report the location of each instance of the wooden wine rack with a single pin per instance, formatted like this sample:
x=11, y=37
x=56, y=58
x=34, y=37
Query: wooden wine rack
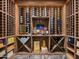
x=29, y=17
x=72, y=24
x=7, y=27
x=60, y=24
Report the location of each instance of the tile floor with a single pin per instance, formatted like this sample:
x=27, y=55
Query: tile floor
x=40, y=57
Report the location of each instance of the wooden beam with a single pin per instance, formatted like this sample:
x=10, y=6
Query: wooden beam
x=16, y=19
x=43, y=3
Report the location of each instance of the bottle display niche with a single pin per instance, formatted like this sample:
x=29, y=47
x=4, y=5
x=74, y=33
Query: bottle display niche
x=24, y=20
x=56, y=20
x=40, y=20
x=40, y=26
x=40, y=44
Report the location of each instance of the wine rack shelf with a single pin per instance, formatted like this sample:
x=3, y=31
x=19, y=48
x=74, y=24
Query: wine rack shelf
x=72, y=24
x=7, y=28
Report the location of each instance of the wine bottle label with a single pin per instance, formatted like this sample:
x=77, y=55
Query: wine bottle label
x=36, y=46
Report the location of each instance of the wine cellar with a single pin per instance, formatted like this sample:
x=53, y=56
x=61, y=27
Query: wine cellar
x=39, y=29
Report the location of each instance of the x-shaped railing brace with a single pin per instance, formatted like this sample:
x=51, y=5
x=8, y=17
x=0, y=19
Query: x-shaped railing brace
x=57, y=44
x=23, y=44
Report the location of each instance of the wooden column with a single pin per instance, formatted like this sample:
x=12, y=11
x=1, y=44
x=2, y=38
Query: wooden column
x=16, y=19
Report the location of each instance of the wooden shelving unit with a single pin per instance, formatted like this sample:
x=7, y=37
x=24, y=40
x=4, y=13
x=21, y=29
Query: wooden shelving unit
x=3, y=18
x=6, y=46
x=10, y=18
x=49, y=25
x=41, y=25
x=72, y=24
x=28, y=17
x=7, y=28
